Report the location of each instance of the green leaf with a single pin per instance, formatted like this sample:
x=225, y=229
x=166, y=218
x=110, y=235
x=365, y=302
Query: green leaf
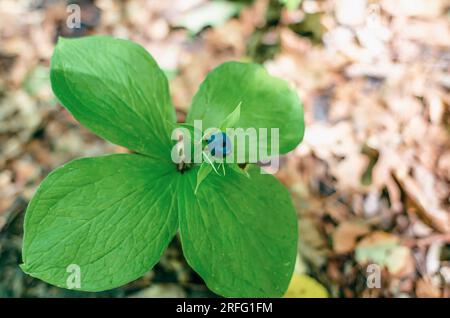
x=112, y=216
x=240, y=170
x=203, y=172
x=193, y=135
x=116, y=89
x=266, y=102
x=232, y=119
x=238, y=233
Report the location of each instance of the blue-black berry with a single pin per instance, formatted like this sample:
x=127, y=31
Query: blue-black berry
x=219, y=145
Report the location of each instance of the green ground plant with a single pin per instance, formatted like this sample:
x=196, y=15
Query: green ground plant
x=113, y=216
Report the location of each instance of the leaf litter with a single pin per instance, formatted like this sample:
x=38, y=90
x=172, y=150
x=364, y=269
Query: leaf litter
x=371, y=180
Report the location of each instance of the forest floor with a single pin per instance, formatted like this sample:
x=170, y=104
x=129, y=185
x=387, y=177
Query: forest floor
x=371, y=179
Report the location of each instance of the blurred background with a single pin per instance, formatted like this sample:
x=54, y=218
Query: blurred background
x=370, y=181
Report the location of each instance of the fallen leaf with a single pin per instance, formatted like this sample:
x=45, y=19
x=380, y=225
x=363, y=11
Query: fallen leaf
x=304, y=286
x=209, y=14
x=346, y=235
x=384, y=249
x=426, y=289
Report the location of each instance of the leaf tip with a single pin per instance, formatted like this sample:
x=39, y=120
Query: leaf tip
x=24, y=268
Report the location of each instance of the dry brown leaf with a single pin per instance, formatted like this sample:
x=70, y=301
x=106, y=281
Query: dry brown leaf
x=422, y=194
x=346, y=235
x=426, y=289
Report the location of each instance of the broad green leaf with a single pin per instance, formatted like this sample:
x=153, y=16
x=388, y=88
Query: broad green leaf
x=116, y=89
x=112, y=216
x=239, y=234
x=240, y=170
x=266, y=102
x=192, y=134
x=232, y=119
x=189, y=139
x=203, y=172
